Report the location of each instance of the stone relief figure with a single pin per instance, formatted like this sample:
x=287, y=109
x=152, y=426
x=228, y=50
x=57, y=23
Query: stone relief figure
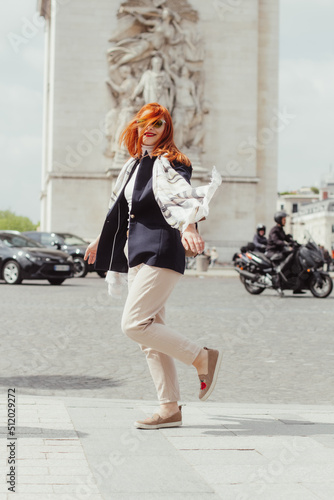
x=134, y=49
x=194, y=46
x=156, y=56
x=187, y=104
x=163, y=29
x=156, y=85
x=119, y=115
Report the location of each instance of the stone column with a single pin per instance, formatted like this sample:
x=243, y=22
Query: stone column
x=75, y=188
x=230, y=31
x=268, y=125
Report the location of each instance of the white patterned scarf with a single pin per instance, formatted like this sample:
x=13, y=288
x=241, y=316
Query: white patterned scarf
x=179, y=202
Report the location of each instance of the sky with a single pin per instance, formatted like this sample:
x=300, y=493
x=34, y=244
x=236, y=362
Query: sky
x=306, y=91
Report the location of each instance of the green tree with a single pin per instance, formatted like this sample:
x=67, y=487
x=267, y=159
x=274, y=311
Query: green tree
x=315, y=190
x=9, y=220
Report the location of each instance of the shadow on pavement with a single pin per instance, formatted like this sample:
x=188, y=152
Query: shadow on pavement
x=44, y=433
x=58, y=382
x=39, y=283
x=257, y=426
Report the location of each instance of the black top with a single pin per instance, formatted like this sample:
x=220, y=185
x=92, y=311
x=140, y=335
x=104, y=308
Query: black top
x=260, y=242
x=277, y=239
x=151, y=240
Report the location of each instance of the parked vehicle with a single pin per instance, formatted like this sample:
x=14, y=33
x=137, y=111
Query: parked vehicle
x=300, y=270
x=22, y=258
x=73, y=245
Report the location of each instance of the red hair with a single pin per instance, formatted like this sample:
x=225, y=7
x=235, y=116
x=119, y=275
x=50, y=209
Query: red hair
x=133, y=141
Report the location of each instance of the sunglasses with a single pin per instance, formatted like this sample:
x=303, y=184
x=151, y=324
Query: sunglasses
x=156, y=124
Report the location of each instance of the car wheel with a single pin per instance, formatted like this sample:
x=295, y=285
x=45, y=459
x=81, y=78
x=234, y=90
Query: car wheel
x=56, y=281
x=11, y=273
x=80, y=267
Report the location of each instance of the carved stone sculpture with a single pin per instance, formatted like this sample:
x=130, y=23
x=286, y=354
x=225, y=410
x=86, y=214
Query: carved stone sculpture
x=156, y=56
x=156, y=85
x=121, y=113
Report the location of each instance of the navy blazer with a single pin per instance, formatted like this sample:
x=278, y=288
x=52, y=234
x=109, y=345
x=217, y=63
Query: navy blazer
x=151, y=239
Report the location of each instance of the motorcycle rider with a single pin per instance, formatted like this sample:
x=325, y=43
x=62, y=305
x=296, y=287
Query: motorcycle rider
x=278, y=239
x=278, y=242
x=259, y=240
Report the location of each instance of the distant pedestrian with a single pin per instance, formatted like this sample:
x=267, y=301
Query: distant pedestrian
x=327, y=259
x=213, y=256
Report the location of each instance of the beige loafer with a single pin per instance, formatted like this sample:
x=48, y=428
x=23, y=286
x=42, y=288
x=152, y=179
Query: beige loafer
x=209, y=380
x=157, y=422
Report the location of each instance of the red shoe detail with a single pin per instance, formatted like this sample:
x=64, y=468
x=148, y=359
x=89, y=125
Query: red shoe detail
x=203, y=385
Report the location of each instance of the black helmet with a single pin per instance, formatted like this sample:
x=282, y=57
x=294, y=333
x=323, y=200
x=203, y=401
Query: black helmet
x=260, y=227
x=279, y=216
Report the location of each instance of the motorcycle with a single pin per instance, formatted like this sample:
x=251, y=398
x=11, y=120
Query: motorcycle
x=301, y=269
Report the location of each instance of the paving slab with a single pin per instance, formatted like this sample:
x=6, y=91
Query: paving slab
x=222, y=451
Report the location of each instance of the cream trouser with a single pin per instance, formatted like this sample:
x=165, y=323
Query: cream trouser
x=144, y=321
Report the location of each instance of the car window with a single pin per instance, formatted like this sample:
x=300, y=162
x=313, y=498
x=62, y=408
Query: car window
x=71, y=239
x=33, y=236
x=48, y=238
x=13, y=240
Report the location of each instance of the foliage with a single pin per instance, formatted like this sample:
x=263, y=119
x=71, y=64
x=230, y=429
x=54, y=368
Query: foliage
x=9, y=220
x=314, y=190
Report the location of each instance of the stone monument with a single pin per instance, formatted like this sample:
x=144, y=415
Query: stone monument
x=213, y=64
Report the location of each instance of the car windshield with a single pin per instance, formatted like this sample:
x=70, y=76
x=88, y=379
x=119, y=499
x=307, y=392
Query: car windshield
x=71, y=239
x=18, y=241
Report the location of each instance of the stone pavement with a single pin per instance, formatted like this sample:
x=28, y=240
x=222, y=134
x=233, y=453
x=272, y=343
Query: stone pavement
x=67, y=341
x=88, y=449
x=266, y=432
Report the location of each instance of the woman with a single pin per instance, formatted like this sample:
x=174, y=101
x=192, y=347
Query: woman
x=152, y=204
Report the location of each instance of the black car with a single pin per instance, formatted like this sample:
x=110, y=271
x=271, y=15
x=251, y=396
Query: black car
x=22, y=258
x=69, y=243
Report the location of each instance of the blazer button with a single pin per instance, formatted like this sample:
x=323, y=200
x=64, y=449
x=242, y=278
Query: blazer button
x=132, y=216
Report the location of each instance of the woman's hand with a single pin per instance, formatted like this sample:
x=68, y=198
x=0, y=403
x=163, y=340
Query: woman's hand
x=90, y=253
x=192, y=240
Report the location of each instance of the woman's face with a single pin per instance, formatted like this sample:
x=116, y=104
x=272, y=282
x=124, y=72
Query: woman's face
x=152, y=135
